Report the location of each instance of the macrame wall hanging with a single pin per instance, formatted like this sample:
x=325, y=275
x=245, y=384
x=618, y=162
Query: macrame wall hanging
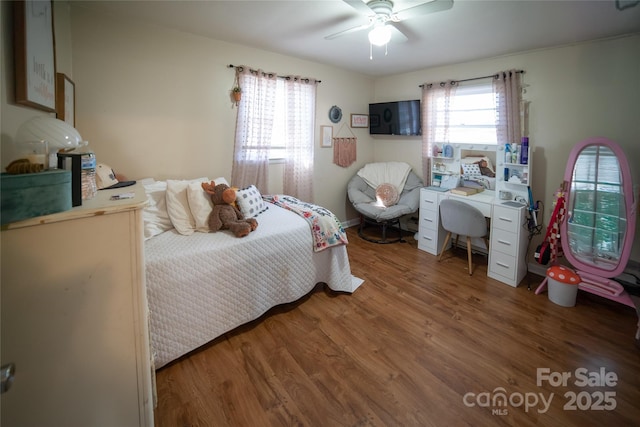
x=344, y=148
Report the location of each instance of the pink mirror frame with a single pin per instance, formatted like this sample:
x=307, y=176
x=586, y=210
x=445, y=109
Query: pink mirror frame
x=630, y=208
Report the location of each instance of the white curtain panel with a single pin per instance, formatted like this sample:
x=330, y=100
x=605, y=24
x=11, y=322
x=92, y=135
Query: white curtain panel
x=435, y=96
x=508, y=89
x=254, y=126
x=300, y=123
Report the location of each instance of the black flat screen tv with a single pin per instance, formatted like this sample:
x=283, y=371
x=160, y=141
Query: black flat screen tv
x=395, y=118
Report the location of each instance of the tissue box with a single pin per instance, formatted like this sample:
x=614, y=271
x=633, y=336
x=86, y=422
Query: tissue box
x=30, y=195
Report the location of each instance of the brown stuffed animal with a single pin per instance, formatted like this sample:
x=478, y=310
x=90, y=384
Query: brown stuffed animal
x=225, y=216
x=484, y=169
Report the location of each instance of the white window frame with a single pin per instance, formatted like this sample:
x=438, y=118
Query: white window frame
x=472, y=113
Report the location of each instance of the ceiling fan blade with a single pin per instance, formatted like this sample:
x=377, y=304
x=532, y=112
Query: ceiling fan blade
x=350, y=30
x=360, y=6
x=423, y=9
x=397, y=35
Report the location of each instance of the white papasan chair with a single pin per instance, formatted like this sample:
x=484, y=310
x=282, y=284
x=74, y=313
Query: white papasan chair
x=398, y=190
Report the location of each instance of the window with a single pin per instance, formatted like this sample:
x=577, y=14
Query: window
x=472, y=113
x=278, y=134
x=275, y=121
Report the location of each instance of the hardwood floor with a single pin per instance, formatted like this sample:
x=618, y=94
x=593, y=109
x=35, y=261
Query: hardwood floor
x=420, y=343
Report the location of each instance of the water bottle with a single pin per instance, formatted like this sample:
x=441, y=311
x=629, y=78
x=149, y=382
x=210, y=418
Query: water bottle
x=88, y=175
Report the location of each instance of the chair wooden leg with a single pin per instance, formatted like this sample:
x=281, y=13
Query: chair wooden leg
x=469, y=254
x=444, y=246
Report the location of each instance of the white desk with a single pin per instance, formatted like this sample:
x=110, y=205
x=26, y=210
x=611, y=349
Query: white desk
x=508, y=235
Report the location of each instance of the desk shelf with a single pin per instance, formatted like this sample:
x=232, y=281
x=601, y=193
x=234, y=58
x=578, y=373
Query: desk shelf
x=505, y=170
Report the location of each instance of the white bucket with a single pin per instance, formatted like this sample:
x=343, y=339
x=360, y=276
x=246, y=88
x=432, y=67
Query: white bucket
x=562, y=293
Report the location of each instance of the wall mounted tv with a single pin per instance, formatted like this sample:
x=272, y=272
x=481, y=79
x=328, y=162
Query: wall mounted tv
x=395, y=118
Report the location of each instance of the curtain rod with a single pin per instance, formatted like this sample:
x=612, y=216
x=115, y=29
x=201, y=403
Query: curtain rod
x=495, y=76
x=240, y=68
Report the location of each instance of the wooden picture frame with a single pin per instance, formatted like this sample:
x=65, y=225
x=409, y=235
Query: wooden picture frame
x=35, y=59
x=326, y=136
x=65, y=99
x=359, y=120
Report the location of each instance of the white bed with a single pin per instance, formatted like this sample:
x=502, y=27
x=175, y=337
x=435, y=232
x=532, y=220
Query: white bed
x=203, y=285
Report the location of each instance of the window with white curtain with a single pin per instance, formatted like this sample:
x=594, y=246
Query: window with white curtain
x=275, y=121
x=472, y=115
x=278, y=135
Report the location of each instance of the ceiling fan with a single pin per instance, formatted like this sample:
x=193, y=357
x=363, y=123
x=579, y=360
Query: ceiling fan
x=383, y=19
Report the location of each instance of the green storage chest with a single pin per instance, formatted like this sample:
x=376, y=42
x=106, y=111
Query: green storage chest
x=30, y=195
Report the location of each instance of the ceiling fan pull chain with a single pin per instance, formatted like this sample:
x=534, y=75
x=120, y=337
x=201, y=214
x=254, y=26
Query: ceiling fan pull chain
x=370, y=52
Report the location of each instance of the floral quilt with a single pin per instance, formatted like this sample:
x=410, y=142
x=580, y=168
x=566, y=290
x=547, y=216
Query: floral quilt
x=326, y=229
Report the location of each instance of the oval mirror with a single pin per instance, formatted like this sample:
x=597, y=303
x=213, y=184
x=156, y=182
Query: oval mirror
x=598, y=230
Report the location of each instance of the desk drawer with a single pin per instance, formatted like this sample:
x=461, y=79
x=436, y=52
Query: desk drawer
x=428, y=241
x=503, y=265
x=483, y=207
x=506, y=219
x=504, y=241
x=428, y=205
x=429, y=219
x=429, y=196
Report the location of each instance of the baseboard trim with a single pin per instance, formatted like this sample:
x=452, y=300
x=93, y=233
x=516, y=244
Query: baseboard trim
x=351, y=223
x=538, y=269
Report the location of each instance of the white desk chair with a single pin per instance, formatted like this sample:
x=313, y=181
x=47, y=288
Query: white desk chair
x=460, y=218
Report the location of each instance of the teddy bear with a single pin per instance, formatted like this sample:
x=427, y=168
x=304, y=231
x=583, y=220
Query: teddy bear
x=225, y=216
x=484, y=168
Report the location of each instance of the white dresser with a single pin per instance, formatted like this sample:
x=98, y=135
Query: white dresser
x=508, y=244
x=74, y=317
x=508, y=235
x=430, y=232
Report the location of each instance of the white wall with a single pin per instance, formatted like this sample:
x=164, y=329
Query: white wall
x=575, y=92
x=155, y=102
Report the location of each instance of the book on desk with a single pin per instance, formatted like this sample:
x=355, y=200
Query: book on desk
x=465, y=191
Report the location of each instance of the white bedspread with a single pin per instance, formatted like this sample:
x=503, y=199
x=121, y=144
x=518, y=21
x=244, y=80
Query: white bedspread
x=206, y=284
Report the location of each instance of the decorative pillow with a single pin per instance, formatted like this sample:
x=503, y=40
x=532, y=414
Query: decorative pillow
x=387, y=194
x=471, y=170
x=155, y=215
x=200, y=204
x=478, y=159
x=178, y=205
x=250, y=202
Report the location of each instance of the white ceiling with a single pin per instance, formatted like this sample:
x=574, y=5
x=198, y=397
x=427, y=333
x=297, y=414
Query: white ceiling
x=470, y=30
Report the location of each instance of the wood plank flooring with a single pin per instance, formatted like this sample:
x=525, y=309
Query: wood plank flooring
x=420, y=343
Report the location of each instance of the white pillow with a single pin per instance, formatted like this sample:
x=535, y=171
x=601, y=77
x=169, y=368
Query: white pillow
x=200, y=204
x=178, y=205
x=471, y=170
x=250, y=202
x=155, y=216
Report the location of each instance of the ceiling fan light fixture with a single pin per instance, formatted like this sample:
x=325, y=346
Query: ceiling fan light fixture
x=380, y=35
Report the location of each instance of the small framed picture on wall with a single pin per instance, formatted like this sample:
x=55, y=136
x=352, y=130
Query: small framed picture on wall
x=65, y=99
x=326, y=136
x=35, y=65
x=359, y=121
